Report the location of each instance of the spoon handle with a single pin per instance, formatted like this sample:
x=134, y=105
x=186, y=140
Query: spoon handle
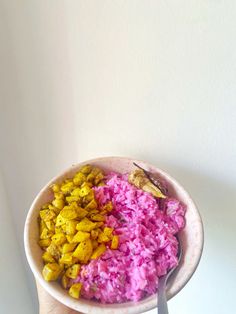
x=162, y=302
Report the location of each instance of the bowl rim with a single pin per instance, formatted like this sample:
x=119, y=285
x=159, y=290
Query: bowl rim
x=128, y=307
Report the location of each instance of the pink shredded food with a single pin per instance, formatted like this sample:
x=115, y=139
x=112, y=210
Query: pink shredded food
x=147, y=244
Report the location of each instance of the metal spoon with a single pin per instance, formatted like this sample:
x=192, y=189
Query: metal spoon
x=162, y=307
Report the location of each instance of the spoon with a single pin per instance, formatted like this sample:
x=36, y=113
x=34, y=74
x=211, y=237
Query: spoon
x=162, y=307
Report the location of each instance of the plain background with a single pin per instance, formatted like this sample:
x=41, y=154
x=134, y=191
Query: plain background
x=154, y=80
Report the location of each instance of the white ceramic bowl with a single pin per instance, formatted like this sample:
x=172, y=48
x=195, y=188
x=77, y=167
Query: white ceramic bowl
x=191, y=238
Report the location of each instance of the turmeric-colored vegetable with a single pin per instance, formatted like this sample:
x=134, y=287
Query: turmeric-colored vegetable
x=102, y=237
x=84, y=190
x=115, y=242
x=73, y=271
x=47, y=214
x=59, y=238
x=58, y=203
x=48, y=258
x=99, y=251
x=44, y=243
x=51, y=271
x=54, y=250
x=68, y=213
x=74, y=290
x=68, y=247
x=65, y=282
x=84, y=251
x=66, y=258
x=71, y=228
x=81, y=236
x=108, y=231
x=86, y=225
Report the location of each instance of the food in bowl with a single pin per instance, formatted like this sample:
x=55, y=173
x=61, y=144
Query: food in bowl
x=110, y=237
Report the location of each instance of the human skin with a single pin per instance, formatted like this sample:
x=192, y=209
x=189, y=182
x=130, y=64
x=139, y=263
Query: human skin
x=48, y=305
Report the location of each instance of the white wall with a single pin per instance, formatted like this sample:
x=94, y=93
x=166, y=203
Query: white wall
x=150, y=79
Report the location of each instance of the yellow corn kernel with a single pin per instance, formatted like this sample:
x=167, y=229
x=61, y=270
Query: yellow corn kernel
x=97, y=217
x=79, y=179
x=60, y=221
x=59, y=238
x=84, y=251
x=74, y=290
x=55, y=187
x=71, y=226
x=58, y=203
x=44, y=243
x=48, y=258
x=81, y=236
x=98, y=251
x=68, y=247
x=47, y=214
x=115, y=242
x=73, y=271
x=65, y=281
x=86, y=225
x=86, y=169
x=51, y=271
x=108, y=231
x=103, y=238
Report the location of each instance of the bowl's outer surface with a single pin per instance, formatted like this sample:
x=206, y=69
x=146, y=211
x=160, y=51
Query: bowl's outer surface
x=191, y=238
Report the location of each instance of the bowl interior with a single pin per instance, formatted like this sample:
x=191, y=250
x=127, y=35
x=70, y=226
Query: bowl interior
x=191, y=238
